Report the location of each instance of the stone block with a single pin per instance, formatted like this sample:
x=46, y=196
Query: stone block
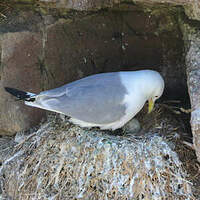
x=19, y=69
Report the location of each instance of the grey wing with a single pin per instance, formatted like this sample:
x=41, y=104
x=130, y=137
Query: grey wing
x=56, y=92
x=99, y=102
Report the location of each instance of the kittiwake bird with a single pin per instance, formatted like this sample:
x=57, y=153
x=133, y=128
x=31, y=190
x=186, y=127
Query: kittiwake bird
x=106, y=100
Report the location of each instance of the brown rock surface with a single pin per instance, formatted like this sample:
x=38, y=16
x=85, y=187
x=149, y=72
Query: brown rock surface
x=19, y=69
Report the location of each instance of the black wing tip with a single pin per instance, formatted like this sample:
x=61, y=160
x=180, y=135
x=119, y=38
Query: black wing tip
x=12, y=91
x=21, y=95
x=8, y=89
x=17, y=93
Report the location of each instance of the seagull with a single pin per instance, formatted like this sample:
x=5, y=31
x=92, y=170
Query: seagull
x=105, y=100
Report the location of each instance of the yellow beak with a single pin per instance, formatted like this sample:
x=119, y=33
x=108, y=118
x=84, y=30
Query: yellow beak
x=151, y=105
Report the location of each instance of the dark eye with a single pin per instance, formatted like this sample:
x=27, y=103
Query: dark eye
x=156, y=96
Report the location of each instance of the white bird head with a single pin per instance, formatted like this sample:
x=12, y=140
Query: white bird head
x=155, y=88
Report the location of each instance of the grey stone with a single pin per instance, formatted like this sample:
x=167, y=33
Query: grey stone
x=192, y=44
x=192, y=7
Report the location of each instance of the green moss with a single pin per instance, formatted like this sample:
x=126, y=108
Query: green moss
x=169, y=12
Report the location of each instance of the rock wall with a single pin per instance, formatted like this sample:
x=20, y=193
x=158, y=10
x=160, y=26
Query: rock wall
x=192, y=7
x=192, y=43
x=50, y=46
x=50, y=50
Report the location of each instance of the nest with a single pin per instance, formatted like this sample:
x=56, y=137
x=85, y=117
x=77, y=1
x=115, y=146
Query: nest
x=64, y=161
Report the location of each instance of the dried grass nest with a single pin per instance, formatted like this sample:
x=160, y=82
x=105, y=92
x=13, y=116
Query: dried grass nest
x=63, y=161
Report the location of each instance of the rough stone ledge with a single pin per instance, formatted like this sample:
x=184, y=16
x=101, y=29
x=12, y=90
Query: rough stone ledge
x=191, y=36
x=192, y=7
